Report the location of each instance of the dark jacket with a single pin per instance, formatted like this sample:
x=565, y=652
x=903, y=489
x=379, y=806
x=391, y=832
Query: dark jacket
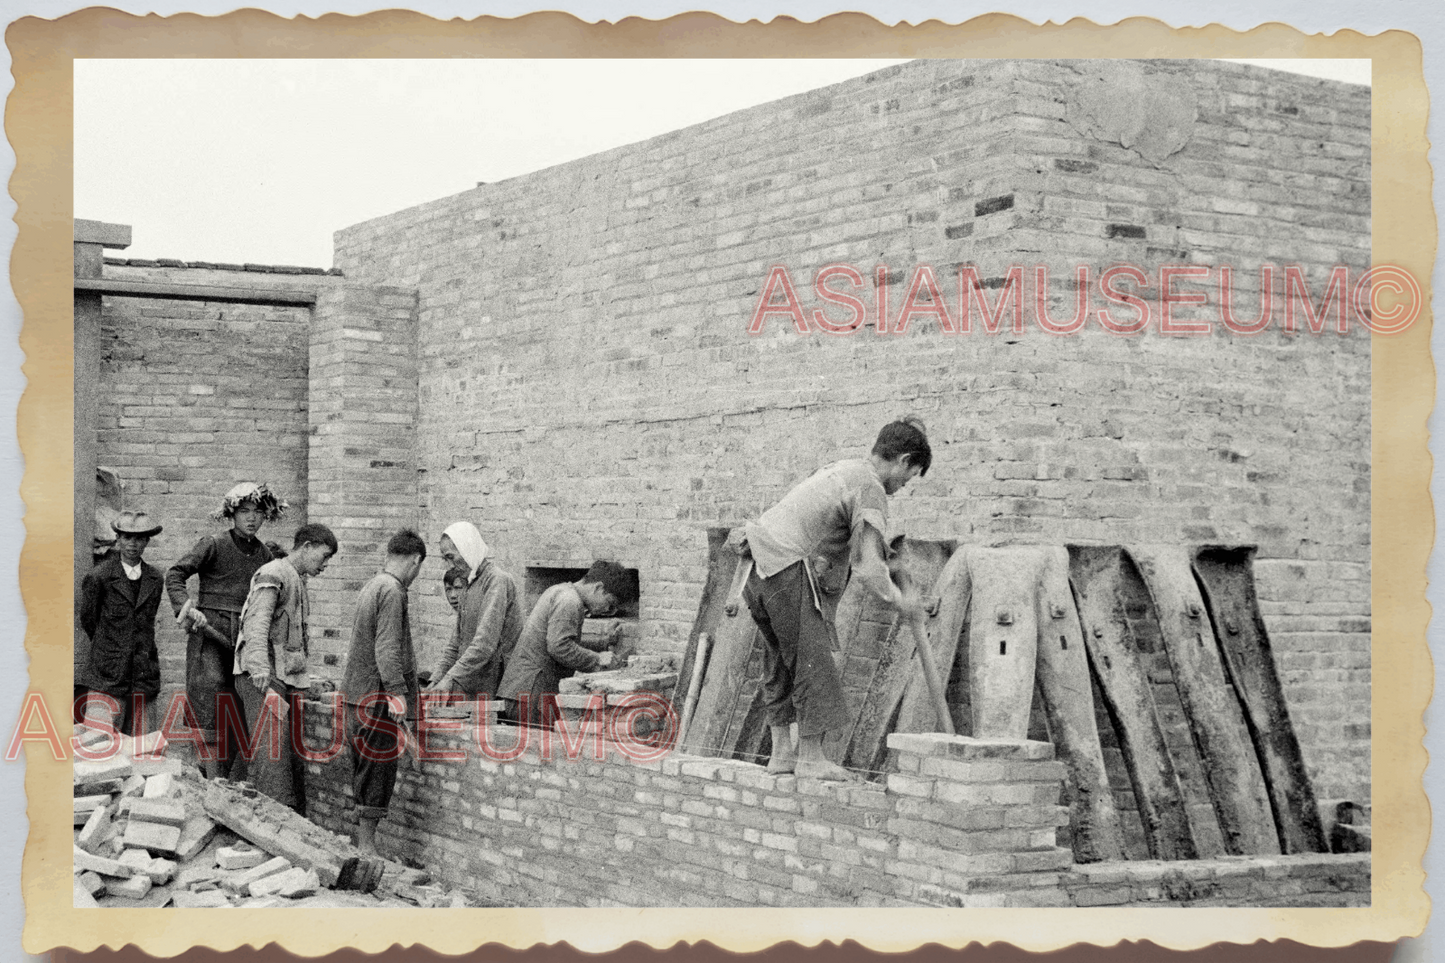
x=120, y=617
x=225, y=564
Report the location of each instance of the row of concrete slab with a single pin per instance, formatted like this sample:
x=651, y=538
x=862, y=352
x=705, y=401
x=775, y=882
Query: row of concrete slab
x=1019, y=627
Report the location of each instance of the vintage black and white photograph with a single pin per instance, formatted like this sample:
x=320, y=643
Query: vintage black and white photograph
x=909, y=483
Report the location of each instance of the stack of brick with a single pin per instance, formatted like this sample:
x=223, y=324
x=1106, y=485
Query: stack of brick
x=978, y=822
x=134, y=826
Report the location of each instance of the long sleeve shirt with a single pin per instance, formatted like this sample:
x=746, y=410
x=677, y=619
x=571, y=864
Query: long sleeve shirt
x=225, y=564
x=489, y=622
x=550, y=644
x=273, y=641
x=381, y=658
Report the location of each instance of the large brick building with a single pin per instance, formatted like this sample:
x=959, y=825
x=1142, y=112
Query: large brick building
x=564, y=358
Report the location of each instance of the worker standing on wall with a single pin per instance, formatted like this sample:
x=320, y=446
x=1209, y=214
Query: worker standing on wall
x=380, y=675
x=489, y=620
x=551, y=645
x=270, y=667
x=224, y=564
x=803, y=551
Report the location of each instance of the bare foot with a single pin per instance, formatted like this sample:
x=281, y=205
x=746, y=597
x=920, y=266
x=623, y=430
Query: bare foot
x=782, y=765
x=823, y=769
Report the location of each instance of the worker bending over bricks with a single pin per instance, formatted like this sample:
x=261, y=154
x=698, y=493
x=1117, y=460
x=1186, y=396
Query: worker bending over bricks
x=802, y=552
x=489, y=620
x=224, y=565
x=551, y=645
x=118, y=603
x=381, y=662
x=271, y=664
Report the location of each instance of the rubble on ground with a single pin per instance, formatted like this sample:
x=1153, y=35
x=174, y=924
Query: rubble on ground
x=152, y=831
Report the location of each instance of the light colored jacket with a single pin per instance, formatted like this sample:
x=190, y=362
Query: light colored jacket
x=273, y=640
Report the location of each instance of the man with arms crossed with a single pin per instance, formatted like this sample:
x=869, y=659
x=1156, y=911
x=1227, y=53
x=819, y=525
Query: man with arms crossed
x=381, y=661
x=803, y=550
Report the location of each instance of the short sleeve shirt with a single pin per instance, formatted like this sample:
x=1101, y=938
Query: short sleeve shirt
x=819, y=519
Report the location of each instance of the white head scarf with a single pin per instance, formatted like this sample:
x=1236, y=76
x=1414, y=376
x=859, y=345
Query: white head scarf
x=468, y=540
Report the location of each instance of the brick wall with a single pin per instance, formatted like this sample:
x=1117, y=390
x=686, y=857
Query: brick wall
x=362, y=467
x=195, y=397
x=587, y=385
x=963, y=823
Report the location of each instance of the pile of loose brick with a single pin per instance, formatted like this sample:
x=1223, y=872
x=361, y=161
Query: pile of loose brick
x=618, y=689
x=151, y=832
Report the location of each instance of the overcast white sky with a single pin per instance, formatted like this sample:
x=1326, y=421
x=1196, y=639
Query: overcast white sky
x=261, y=160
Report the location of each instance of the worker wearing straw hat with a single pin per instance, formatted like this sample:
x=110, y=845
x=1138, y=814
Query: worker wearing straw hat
x=224, y=565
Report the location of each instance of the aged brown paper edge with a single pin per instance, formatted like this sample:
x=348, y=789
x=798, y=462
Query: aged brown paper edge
x=37, y=121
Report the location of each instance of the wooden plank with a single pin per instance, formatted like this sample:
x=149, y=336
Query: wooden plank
x=1096, y=573
x=1068, y=701
x=280, y=831
x=734, y=641
x=897, y=700
x=169, y=291
x=721, y=562
x=1231, y=768
x=1226, y=578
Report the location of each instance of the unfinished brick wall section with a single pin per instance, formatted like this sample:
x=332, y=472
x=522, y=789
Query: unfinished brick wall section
x=588, y=386
x=195, y=397
x=963, y=823
x=362, y=466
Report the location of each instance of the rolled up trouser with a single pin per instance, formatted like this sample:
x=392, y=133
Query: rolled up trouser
x=374, y=761
x=800, y=677
x=210, y=683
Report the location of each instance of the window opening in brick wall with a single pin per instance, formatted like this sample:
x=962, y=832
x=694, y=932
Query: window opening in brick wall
x=541, y=578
